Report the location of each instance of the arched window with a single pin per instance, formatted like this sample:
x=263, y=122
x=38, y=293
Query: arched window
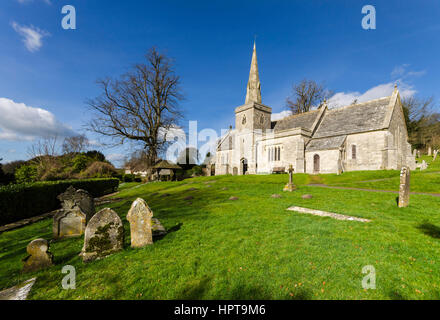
x=353, y=151
x=316, y=163
x=279, y=153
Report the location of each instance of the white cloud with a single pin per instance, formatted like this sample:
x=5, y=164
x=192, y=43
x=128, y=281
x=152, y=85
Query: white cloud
x=341, y=99
x=280, y=115
x=21, y=122
x=402, y=72
x=32, y=36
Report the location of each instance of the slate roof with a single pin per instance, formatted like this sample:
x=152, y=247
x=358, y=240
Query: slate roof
x=356, y=118
x=302, y=120
x=325, y=143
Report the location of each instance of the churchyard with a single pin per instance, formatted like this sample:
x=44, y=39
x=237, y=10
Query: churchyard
x=232, y=237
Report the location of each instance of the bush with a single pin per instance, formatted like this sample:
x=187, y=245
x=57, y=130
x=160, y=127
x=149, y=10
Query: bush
x=99, y=170
x=22, y=201
x=26, y=173
x=80, y=162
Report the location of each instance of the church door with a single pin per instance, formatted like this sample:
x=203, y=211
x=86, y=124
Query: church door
x=244, y=166
x=316, y=163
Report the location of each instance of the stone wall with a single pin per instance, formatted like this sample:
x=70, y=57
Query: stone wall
x=369, y=151
x=328, y=161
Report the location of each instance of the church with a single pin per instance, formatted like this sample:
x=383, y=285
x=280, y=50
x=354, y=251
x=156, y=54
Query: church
x=364, y=136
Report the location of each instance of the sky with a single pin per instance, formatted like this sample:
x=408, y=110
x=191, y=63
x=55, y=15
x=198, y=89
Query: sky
x=47, y=73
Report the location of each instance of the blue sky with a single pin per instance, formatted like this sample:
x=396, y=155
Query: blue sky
x=45, y=81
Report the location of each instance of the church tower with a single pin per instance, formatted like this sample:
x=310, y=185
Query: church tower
x=251, y=122
x=253, y=114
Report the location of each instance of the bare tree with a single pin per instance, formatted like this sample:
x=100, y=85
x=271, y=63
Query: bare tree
x=140, y=106
x=306, y=95
x=43, y=148
x=75, y=144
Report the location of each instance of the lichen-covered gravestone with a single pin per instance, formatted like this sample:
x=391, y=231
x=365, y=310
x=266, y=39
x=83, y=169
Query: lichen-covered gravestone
x=104, y=235
x=141, y=225
x=39, y=256
x=81, y=199
x=77, y=208
x=404, y=187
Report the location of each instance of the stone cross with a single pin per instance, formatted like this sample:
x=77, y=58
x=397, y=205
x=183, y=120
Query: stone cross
x=404, y=187
x=290, y=186
x=104, y=235
x=141, y=224
x=39, y=256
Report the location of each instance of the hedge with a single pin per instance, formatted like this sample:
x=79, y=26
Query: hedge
x=21, y=201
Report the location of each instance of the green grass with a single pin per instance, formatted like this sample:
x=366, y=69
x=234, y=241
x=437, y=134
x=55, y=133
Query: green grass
x=253, y=248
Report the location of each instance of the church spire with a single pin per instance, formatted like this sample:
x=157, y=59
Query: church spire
x=253, y=93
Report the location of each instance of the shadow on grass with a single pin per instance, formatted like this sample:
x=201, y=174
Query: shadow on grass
x=195, y=290
x=430, y=230
x=394, y=295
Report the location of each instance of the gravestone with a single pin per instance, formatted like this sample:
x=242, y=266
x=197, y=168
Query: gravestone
x=429, y=151
x=290, y=186
x=141, y=225
x=307, y=196
x=72, y=199
x=39, y=256
x=424, y=165
x=435, y=155
x=404, y=187
x=418, y=153
x=276, y=195
x=69, y=223
x=104, y=235
x=415, y=152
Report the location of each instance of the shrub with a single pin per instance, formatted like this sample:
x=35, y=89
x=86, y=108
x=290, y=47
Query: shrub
x=26, y=173
x=22, y=201
x=99, y=170
x=79, y=162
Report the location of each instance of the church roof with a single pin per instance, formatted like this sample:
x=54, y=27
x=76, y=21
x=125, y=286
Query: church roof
x=325, y=143
x=362, y=117
x=302, y=120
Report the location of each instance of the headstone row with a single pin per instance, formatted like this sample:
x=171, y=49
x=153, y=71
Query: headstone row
x=103, y=231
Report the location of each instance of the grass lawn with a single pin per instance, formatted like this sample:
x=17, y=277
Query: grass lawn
x=252, y=248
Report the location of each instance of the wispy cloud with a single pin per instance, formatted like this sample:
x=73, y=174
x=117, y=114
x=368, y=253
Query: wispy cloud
x=21, y=122
x=402, y=72
x=32, y=37
x=29, y=1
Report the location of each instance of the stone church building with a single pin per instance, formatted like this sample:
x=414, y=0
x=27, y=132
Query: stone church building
x=364, y=136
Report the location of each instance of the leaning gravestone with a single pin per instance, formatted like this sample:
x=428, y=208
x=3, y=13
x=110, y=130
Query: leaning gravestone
x=104, y=235
x=81, y=199
x=404, y=187
x=141, y=225
x=39, y=256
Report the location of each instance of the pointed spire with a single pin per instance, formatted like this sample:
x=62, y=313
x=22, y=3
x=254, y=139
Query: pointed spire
x=253, y=93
